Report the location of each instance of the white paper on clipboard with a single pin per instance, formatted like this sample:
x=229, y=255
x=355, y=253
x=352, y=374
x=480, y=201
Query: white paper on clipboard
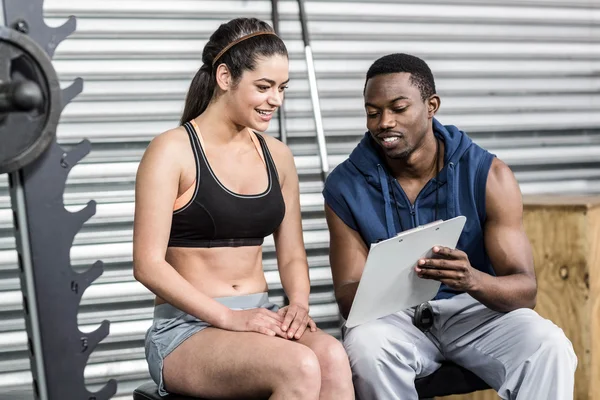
x=389, y=282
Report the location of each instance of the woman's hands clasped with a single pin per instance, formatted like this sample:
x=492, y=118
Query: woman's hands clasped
x=290, y=322
x=296, y=320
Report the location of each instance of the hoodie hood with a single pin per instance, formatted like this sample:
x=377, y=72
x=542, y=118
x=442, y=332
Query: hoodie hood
x=366, y=156
x=367, y=159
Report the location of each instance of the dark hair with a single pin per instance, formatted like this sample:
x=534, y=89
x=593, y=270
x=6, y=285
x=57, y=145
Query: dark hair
x=239, y=58
x=420, y=74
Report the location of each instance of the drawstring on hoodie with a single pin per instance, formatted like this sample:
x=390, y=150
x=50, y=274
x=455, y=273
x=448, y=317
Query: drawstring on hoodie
x=437, y=184
x=389, y=220
x=451, y=204
x=397, y=212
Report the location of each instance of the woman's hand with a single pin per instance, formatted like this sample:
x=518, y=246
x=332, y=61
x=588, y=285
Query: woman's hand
x=258, y=320
x=295, y=321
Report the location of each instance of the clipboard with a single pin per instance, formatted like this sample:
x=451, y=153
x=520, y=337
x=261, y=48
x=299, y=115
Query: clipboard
x=389, y=282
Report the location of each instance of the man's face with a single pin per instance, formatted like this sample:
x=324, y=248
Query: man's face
x=397, y=117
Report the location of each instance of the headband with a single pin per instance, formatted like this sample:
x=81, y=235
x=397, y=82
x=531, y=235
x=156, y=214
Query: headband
x=230, y=45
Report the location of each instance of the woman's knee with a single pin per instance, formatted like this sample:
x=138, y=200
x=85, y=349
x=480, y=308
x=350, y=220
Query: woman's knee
x=331, y=355
x=295, y=373
x=300, y=364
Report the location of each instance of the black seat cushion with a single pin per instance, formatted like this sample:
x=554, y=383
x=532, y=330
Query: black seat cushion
x=149, y=391
x=447, y=380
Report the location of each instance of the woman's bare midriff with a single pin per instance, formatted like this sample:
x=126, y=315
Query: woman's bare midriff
x=220, y=271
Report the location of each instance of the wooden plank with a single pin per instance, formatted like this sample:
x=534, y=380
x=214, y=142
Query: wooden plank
x=587, y=202
x=560, y=247
x=594, y=303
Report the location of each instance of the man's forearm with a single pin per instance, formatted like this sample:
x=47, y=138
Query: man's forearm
x=505, y=293
x=344, y=296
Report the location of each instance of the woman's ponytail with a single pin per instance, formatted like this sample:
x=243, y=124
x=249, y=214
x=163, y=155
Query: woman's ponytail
x=199, y=94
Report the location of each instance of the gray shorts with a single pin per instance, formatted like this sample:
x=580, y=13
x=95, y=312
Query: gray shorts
x=171, y=327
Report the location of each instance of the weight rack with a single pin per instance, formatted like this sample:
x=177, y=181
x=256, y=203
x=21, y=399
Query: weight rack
x=31, y=102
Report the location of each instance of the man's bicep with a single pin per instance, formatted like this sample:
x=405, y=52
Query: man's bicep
x=506, y=243
x=347, y=251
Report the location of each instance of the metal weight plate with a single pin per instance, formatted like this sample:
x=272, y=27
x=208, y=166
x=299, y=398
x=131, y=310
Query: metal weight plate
x=25, y=135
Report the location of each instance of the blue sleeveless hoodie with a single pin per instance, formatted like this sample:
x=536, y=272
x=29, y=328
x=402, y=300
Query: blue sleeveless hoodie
x=362, y=192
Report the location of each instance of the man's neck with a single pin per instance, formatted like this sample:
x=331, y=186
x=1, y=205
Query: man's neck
x=422, y=163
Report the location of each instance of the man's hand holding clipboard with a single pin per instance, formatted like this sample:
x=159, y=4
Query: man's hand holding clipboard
x=449, y=266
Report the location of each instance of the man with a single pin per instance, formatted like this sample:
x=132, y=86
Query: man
x=409, y=170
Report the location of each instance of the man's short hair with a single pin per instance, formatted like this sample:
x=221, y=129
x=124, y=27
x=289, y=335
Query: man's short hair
x=420, y=74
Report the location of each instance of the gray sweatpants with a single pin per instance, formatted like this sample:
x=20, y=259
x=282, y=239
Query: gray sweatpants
x=520, y=354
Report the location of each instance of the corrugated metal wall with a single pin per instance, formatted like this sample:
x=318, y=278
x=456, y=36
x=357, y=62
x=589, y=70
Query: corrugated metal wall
x=522, y=77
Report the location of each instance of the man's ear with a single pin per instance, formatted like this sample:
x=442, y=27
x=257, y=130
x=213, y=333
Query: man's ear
x=223, y=76
x=433, y=105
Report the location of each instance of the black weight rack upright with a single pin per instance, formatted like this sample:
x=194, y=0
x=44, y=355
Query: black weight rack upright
x=44, y=229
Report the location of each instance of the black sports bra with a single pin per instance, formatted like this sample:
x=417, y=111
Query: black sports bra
x=214, y=216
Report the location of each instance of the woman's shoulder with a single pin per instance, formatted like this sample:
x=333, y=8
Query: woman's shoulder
x=281, y=154
x=171, y=141
x=279, y=150
x=167, y=146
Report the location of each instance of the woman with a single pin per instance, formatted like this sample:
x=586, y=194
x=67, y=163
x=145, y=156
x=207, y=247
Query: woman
x=207, y=193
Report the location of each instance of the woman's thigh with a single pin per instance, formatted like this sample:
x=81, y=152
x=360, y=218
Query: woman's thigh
x=219, y=363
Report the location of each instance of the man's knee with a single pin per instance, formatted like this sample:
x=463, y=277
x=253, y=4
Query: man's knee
x=363, y=341
x=558, y=347
x=370, y=345
x=550, y=341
